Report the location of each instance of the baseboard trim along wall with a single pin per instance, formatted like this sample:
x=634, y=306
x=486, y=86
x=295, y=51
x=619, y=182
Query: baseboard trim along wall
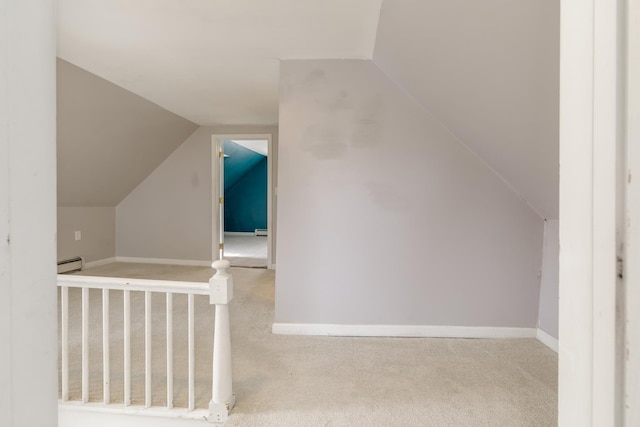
x=100, y=262
x=547, y=340
x=73, y=414
x=413, y=331
x=195, y=263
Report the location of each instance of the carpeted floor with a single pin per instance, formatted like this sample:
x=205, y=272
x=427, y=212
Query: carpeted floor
x=331, y=381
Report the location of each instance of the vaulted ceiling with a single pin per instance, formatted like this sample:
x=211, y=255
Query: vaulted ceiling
x=488, y=70
x=211, y=61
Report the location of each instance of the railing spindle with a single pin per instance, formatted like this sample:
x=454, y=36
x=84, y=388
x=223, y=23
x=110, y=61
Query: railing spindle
x=127, y=347
x=169, y=350
x=85, y=345
x=106, y=368
x=147, y=349
x=64, y=306
x=192, y=361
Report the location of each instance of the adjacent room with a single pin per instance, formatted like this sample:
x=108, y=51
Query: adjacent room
x=244, y=212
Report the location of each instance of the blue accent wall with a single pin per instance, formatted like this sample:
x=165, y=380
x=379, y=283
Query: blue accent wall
x=239, y=163
x=245, y=204
x=245, y=187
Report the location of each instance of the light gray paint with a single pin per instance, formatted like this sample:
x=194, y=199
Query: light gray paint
x=98, y=228
x=548, y=312
x=384, y=218
x=109, y=139
x=489, y=71
x=28, y=306
x=169, y=214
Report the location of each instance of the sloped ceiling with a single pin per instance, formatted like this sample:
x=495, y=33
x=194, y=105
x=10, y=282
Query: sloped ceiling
x=214, y=61
x=238, y=162
x=109, y=139
x=489, y=71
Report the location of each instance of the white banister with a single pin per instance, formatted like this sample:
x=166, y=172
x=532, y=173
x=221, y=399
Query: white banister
x=147, y=350
x=85, y=345
x=169, y=351
x=221, y=293
x=64, y=307
x=127, y=347
x=106, y=367
x=192, y=353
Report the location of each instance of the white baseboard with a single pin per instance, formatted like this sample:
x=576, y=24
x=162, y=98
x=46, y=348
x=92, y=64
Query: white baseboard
x=547, y=340
x=70, y=415
x=99, y=262
x=414, y=331
x=240, y=233
x=195, y=263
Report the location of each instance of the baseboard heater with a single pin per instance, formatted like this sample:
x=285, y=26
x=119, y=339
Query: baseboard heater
x=70, y=265
x=260, y=232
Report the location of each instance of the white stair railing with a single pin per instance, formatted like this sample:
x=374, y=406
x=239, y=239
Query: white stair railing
x=222, y=397
x=220, y=291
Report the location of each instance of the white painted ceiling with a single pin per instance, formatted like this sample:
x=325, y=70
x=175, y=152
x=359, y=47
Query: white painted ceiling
x=489, y=70
x=260, y=146
x=204, y=59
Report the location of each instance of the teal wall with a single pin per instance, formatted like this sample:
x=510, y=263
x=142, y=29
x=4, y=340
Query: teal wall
x=245, y=186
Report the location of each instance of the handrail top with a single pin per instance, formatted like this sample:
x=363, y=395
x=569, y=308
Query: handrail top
x=120, y=283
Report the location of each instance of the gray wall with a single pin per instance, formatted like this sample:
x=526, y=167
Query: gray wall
x=109, y=139
x=385, y=218
x=169, y=214
x=98, y=227
x=548, y=314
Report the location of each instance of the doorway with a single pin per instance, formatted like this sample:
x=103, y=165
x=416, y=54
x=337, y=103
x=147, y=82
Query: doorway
x=241, y=220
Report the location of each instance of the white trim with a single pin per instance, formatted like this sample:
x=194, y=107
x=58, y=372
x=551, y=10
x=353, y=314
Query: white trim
x=589, y=361
x=416, y=331
x=240, y=233
x=195, y=263
x=273, y=267
x=99, y=415
x=100, y=262
x=547, y=340
x=631, y=272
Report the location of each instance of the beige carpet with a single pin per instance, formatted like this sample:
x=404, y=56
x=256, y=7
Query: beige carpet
x=330, y=381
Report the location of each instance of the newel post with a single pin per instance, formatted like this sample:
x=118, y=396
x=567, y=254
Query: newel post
x=221, y=293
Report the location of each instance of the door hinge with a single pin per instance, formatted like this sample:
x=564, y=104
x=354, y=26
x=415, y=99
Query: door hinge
x=220, y=154
x=221, y=245
x=620, y=267
x=221, y=199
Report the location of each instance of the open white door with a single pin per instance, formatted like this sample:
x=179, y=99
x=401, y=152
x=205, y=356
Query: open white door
x=220, y=148
x=217, y=169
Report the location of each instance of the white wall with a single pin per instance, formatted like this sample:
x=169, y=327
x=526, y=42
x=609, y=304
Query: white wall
x=28, y=353
x=98, y=232
x=385, y=218
x=548, y=311
x=169, y=214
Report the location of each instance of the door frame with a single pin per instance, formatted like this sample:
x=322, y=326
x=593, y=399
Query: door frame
x=216, y=236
